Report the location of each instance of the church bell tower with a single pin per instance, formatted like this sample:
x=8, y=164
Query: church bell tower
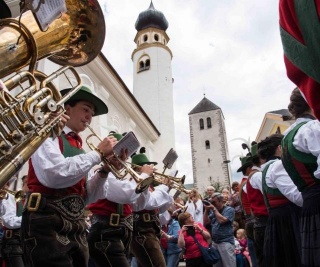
x=152, y=74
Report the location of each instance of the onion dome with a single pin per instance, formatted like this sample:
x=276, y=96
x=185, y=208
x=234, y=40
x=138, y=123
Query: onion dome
x=151, y=18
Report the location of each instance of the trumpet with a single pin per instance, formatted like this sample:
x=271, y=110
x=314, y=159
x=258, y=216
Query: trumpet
x=119, y=173
x=173, y=182
x=18, y=195
x=183, y=208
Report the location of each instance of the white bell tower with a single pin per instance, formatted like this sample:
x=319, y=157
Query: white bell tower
x=152, y=75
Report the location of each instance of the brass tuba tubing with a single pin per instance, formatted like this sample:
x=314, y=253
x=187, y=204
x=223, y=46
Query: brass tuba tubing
x=74, y=39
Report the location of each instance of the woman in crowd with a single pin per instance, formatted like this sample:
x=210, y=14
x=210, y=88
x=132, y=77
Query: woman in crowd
x=189, y=230
x=195, y=206
x=169, y=242
x=300, y=158
x=226, y=196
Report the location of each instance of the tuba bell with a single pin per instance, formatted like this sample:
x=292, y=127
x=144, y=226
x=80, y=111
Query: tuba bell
x=74, y=39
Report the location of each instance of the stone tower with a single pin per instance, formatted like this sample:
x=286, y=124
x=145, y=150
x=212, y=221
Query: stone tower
x=152, y=74
x=209, y=145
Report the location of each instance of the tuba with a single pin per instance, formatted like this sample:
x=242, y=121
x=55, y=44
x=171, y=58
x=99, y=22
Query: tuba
x=74, y=39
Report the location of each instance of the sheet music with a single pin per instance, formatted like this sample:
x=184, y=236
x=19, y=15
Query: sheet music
x=129, y=142
x=170, y=158
x=46, y=11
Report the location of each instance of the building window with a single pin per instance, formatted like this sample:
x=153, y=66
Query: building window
x=144, y=64
x=209, y=123
x=156, y=37
x=145, y=38
x=207, y=144
x=201, y=124
x=147, y=64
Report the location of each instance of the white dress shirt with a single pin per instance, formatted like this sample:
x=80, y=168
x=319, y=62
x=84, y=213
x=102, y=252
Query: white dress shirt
x=9, y=216
x=158, y=199
x=277, y=177
x=123, y=191
x=307, y=139
x=53, y=170
x=198, y=212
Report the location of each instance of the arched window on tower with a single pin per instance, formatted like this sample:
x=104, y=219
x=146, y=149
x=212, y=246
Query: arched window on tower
x=207, y=144
x=147, y=64
x=144, y=63
x=209, y=123
x=141, y=65
x=145, y=38
x=201, y=124
x=156, y=37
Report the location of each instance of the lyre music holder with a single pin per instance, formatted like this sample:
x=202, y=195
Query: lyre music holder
x=169, y=159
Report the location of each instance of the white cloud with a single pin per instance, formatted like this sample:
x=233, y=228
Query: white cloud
x=231, y=50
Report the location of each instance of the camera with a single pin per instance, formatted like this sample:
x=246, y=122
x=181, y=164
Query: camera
x=206, y=202
x=191, y=231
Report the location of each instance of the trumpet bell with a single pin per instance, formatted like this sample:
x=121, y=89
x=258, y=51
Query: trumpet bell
x=143, y=185
x=18, y=195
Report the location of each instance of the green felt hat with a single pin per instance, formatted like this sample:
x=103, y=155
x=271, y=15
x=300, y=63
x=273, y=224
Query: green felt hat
x=254, y=150
x=116, y=135
x=85, y=94
x=141, y=159
x=245, y=162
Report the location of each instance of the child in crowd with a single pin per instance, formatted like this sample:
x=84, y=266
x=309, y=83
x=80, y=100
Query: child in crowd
x=241, y=248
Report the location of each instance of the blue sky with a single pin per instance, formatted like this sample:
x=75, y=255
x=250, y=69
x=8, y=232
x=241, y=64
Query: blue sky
x=231, y=50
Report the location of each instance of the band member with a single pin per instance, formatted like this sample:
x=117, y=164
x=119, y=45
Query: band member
x=248, y=164
x=145, y=245
x=253, y=188
x=300, y=158
x=60, y=180
x=282, y=242
x=11, y=249
x=111, y=231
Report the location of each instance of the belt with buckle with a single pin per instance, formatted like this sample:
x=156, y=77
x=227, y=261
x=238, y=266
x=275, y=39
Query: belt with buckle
x=9, y=233
x=145, y=217
x=114, y=220
x=71, y=206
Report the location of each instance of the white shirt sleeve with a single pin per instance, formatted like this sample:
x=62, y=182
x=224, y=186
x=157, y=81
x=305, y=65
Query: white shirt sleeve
x=160, y=198
x=10, y=219
x=256, y=181
x=307, y=140
x=96, y=187
x=124, y=191
x=164, y=217
x=277, y=177
x=55, y=171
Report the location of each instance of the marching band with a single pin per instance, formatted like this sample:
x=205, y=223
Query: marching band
x=135, y=219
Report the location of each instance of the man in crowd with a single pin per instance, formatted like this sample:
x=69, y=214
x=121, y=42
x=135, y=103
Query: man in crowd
x=221, y=218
